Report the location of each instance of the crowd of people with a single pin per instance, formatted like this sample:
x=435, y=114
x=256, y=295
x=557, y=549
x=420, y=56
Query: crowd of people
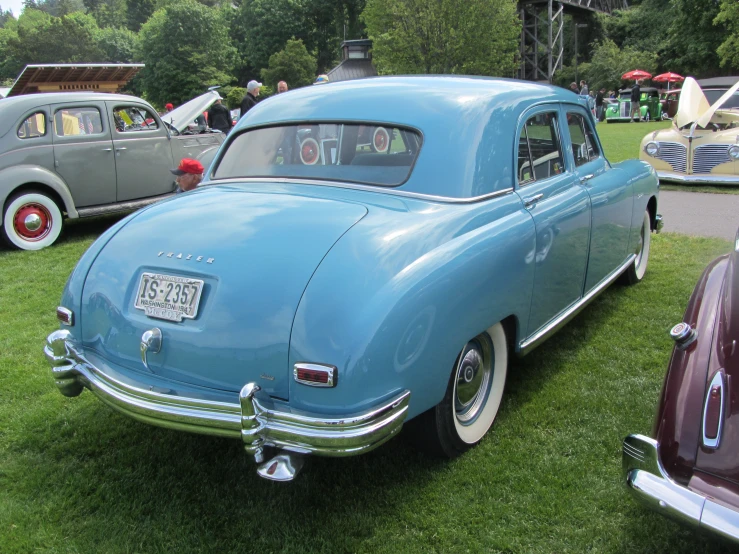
x=596, y=100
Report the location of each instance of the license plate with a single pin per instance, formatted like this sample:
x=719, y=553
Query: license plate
x=168, y=297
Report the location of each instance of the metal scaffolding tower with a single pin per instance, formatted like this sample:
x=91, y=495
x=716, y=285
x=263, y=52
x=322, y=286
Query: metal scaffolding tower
x=542, y=36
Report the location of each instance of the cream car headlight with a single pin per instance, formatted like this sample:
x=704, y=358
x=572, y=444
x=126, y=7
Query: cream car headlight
x=652, y=148
x=734, y=151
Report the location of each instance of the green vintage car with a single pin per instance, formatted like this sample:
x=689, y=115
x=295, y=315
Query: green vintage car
x=650, y=106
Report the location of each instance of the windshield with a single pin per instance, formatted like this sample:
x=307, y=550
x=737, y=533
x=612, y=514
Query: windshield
x=367, y=153
x=713, y=95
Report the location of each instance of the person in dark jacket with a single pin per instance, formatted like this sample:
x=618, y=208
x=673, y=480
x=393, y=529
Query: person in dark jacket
x=600, y=112
x=250, y=98
x=219, y=117
x=635, y=101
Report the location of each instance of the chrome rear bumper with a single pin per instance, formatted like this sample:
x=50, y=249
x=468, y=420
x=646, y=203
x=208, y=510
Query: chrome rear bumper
x=254, y=418
x=649, y=483
x=703, y=179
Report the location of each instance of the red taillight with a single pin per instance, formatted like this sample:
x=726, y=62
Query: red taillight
x=315, y=375
x=713, y=411
x=65, y=316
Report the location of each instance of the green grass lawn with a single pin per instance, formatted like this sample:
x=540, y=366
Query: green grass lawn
x=77, y=477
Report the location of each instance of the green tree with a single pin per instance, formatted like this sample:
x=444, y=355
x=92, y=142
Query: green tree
x=695, y=38
x=5, y=15
x=107, y=13
x=138, y=12
x=609, y=62
x=728, y=51
x=186, y=48
x=117, y=45
x=56, y=7
x=38, y=37
x=293, y=64
x=445, y=36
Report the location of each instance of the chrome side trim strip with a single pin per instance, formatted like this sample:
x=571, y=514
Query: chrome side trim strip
x=252, y=416
x=650, y=484
x=120, y=206
x=527, y=345
x=698, y=179
x=368, y=188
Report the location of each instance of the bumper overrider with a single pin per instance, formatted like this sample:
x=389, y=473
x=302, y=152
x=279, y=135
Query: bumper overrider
x=649, y=483
x=254, y=418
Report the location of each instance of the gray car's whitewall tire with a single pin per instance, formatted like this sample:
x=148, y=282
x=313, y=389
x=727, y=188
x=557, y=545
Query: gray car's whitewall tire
x=31, y=221
x=472, y=398
x=636, y=271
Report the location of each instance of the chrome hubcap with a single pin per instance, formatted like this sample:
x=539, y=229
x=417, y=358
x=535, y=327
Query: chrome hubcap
x=32, y=222
x=473, y=377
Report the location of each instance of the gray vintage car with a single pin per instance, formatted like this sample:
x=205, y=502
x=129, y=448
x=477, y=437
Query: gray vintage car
x=81, y=154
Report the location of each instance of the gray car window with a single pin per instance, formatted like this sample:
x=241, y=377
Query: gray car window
x=539, y=148
x=33, y=126
x=584, y=146
x=77, y=120
x=133, y=119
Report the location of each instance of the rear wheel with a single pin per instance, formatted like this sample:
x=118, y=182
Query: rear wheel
x=638, y=269
x=472, y=398
x=31, y=221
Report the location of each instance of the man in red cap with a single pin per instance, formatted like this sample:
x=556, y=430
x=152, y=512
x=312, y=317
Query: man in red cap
x=189, y=174
x=169, y=107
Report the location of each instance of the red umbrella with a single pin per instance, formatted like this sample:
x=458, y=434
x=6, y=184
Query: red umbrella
x=669, y=77
x=635, y=75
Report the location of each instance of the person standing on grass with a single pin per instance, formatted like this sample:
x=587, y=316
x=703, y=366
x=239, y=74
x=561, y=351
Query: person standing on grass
x=250, y=98
x=635, y=101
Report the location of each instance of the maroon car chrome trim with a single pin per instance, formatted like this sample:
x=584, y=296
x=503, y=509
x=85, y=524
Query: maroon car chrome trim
x=650, y=484
x=713, y=412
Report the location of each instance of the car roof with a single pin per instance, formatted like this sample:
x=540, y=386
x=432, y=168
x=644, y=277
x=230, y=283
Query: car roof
x=468, y=123
x=643, y=89
x=16, y=105
x=717, y=82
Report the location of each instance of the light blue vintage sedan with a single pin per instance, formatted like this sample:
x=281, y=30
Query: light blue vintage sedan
x=361, y=255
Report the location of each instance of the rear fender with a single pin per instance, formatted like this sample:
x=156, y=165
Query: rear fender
x=11, y=178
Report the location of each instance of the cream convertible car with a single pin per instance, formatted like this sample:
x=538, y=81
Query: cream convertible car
x=702, y=146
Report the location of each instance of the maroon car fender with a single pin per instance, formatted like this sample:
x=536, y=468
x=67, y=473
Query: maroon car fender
x=677, y=426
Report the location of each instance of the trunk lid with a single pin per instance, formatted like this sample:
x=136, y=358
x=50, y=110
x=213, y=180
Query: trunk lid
x=255, y=253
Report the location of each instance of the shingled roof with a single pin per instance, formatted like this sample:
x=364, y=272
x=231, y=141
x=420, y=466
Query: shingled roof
x=96, y=77
x=357, y=62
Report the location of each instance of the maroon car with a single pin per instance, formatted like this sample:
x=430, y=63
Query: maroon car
x=690, y=470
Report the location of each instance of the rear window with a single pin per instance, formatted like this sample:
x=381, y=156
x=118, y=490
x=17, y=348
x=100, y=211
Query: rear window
x=369, y=154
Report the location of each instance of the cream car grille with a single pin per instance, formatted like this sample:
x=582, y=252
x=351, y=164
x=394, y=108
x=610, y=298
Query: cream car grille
x=675, y=154
x=708, y=156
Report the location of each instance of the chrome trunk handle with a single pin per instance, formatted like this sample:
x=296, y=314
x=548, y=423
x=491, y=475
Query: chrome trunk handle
x=151, y=341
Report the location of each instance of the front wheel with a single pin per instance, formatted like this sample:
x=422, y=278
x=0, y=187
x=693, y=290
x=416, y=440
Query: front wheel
x=31, y=221
x=635, y=272
x=647, y=116
x=472, y=398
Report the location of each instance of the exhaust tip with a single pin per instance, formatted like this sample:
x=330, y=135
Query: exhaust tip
x=283, y=467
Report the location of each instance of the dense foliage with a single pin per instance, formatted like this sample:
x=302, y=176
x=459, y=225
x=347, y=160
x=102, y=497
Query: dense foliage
x=188, y=45
x=449, y=36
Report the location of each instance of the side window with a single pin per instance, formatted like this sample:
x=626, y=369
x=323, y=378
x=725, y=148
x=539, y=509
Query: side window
x=134, y=118
x=539, y=150
x=79, y=120
x=584, y=145
x=34, y=126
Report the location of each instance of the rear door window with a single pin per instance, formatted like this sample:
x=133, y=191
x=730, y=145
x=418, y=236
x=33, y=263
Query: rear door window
x=539, y=149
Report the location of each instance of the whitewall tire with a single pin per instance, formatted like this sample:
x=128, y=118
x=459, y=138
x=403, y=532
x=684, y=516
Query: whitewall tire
x=31, y=221
x=472, y=400
x=636, y=271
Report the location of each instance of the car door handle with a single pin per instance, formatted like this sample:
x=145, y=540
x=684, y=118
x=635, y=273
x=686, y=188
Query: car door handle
x=107, y=149
x=585, y=178
x=121, y=148
x=531, y=201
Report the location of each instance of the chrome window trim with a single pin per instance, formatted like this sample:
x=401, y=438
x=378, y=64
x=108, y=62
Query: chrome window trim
x=354, y=186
